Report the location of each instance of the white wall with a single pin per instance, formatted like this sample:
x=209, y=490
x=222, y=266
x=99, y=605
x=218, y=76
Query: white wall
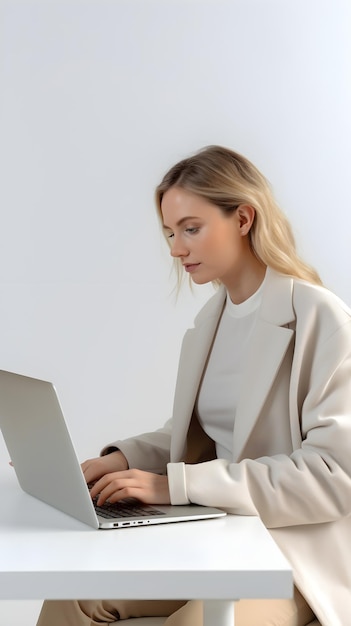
x=99, y=98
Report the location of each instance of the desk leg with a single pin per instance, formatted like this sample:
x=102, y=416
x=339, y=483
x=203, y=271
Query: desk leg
x=218, y=613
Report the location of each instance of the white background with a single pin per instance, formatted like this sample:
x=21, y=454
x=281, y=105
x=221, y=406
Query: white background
x=99, y=98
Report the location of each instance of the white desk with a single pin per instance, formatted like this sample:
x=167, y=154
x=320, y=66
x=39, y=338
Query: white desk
x=45, y=554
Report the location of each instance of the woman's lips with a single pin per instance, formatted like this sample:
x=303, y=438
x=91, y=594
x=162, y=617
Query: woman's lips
x=191, y=267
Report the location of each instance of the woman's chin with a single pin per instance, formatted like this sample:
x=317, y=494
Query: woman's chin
x=201, y=280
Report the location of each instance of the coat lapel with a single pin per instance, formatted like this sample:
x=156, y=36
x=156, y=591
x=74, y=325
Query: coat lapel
x=196, y=346
x=268, y=345
x=267, y=350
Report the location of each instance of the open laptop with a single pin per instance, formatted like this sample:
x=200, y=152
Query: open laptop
x=47, y=467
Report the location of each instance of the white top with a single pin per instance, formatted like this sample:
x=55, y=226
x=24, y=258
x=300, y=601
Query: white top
x=220, y=387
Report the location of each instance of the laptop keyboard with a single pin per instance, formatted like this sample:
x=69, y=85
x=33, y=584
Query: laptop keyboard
x=126, y=508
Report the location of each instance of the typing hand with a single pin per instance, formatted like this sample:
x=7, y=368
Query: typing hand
x=93, y=469
x=132, y=483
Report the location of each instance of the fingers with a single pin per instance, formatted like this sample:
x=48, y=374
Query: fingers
x=145, y=486
x=116, y=486
x=93, y=469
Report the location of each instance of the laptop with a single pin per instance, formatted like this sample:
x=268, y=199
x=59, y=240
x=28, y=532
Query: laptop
x=47, y=466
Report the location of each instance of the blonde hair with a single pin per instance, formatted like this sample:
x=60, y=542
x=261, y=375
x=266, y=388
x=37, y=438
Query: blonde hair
x=227, y=180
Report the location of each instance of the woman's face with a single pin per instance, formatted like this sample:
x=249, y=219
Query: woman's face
x=209, y=244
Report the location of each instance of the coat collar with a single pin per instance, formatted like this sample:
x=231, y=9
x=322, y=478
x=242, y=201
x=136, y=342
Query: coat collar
x=276, y=307
x=269, y=343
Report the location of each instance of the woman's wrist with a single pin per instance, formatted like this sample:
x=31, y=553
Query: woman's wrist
x=120, y=459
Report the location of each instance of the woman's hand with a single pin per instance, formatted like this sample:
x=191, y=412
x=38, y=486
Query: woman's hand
x=93, y=469
x=132, y=483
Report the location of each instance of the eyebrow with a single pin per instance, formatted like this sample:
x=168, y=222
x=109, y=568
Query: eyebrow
x=180, y=222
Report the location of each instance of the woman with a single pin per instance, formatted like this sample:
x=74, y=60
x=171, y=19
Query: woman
x=262, y=411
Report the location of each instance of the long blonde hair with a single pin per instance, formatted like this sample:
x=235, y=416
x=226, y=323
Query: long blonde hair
x=227, y=180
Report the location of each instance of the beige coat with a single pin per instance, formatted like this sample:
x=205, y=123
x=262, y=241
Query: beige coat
x=291, y=441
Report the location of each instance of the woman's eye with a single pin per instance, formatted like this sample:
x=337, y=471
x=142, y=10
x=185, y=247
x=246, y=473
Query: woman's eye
x=192, y=231
x=170, y=235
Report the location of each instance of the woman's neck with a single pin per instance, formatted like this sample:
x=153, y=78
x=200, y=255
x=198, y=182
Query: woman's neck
x=247, y=283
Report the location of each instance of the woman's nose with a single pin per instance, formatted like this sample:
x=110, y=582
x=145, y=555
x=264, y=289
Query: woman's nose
x=178, y=249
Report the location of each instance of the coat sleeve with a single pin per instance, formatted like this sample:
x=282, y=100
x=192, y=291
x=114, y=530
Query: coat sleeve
x=149, y=451
x=313, y=484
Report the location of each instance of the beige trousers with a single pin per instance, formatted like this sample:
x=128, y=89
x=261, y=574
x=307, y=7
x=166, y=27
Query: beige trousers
x=294, y=612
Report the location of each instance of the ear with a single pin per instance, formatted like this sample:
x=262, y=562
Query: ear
x=246, y=215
